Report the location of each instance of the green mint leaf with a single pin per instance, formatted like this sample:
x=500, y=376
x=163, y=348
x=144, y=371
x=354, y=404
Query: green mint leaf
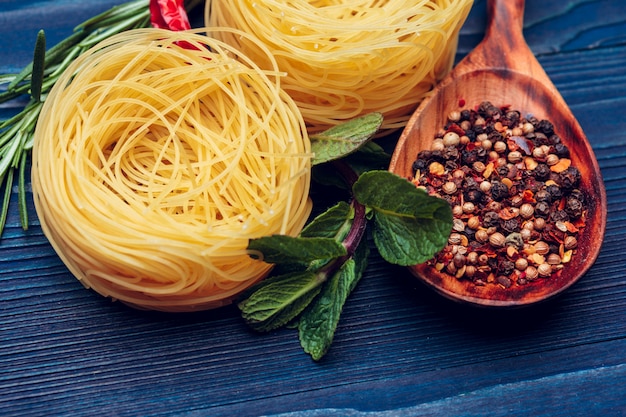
x=279, y=301
x=317, y=324
x=386, y=191
x=287, y=249
x=343, y=139
x=410, y=241
x=410, y=226
x=334, y=223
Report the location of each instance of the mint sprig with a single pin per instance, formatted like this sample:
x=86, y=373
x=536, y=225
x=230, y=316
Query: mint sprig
x=409, y=227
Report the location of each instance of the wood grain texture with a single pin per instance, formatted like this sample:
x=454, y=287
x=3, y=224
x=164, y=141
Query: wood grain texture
x=400, y=349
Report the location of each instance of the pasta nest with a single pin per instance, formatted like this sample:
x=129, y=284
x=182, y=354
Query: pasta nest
x=345, y=58
x=154, y=165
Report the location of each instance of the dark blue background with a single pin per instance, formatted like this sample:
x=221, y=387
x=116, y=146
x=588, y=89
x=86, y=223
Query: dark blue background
x=399, y=349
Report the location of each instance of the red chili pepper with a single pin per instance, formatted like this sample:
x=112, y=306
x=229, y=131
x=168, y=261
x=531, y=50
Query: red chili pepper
x=169, y=14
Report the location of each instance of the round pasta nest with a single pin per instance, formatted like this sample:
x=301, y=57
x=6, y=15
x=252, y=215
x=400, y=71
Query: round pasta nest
x=153, y=166
x=345, y=58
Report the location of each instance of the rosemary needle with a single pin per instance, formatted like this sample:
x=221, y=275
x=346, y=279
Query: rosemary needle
x=39, y=64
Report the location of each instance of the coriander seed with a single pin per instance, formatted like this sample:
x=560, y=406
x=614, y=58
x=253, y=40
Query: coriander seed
x=544, y=270
x=570, y=242
x=542, y=248
x=531, y=273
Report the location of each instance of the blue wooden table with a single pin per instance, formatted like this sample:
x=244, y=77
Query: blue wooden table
x=399, y=349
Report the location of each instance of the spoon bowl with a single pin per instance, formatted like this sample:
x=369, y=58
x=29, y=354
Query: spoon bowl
x=503, y=70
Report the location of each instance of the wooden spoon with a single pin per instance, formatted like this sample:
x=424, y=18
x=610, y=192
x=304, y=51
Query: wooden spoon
x=502, y=69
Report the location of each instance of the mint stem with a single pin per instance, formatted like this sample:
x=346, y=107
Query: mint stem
x=357, y=229
x=359, y=224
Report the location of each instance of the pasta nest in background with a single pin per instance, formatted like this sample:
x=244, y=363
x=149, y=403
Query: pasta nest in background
x=153, y=166
x=345, y=58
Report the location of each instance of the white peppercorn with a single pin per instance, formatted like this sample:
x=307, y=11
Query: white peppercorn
x=451, y=139
x=449, y=187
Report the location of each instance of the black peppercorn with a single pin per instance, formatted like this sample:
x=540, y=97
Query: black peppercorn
x=469, y=233
x=559, y=216
x=474, y=195
x=542, y=172
x=451, y=165
x=505, y=267
x=450, y=152
x=543, y=195
x=577, y=194
x=512, y=118
x=468, y=157
x=561, y=150
x=574, y=207
x=465, y=114
x=542, y=209
x=503, y=171
x=569, y=178
x=436, y=156
x=488, y=110
x=531, y=184
x=555, y=140
x=554, y=191
x=511, y=225
x=495, y=136
x=419, y=165
x=546, y=127
x=491, y=219
x=425, y=154
x=478, y=129
x=540, y=139
x=469, y=182
x=499, y=191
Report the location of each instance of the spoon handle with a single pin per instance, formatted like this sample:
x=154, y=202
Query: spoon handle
x=504, y=46
x=505, y=22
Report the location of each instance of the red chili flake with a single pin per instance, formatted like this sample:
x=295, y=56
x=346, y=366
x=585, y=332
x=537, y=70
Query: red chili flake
x=507, y=214
x=456, y=129
x=528, y=197
x=571, y=228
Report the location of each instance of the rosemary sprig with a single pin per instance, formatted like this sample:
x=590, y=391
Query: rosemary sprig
x=36, y=80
